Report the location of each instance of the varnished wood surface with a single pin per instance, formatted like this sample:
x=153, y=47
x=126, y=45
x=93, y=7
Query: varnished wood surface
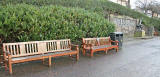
x=89, y=43
x=34, y=48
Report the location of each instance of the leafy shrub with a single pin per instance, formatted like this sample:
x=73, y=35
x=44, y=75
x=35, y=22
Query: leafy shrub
x=28, y=23
x=102, y=7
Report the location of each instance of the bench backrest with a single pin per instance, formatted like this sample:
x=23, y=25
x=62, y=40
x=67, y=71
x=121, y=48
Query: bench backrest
x=97, y=41
x=36, y=47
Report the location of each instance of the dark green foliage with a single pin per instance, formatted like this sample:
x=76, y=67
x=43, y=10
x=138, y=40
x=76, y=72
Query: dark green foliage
x=28, y=23
x=103, y=7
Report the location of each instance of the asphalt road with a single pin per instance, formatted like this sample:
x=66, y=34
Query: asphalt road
x=138, y=58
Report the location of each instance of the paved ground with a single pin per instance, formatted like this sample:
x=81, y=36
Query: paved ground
x=139, y=58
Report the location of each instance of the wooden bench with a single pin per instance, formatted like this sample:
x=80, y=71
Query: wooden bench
x=98, y=44
x=37, y=50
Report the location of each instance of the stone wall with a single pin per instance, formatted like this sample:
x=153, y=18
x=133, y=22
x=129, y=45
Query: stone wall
x=149, y=31
x=124, y=24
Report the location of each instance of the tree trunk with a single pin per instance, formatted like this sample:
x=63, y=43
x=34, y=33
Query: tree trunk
x=152, y=14
x=129, y=6
x=145, y=11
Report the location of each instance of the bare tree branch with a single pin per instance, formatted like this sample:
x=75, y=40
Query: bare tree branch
x=146, y=5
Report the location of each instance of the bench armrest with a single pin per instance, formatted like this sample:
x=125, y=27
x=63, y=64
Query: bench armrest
x=77, y=47
x=7, y=52
x=84, y=45
x=87, y=44
x=74, y=45
x=115, y=42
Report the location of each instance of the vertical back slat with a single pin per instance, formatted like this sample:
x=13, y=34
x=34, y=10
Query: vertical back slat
x=58, y=45
x=42, y=47
x=54, y=46
x=30, y=46
x=33, y=48
x=36, y=47
x=22, y=49
x=7, y=48
x=11, y=50
x=51, y=45
x=14, y=49
x=26, y=48
x=17, y=50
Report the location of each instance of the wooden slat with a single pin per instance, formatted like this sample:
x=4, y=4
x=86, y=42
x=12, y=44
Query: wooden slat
x=36, y=47
x=29, y=54
x=7, y=49
x=30, y=42
x=96, y=41
x=17, y=49
x=51, y=45
x=22, y=49
x=58, y=50
x=58, y=45
x=32, y=48
x=27, y=48
x=42, y=47
x=14, y=50
x=66, y=46
x=62, y=44
x=47, y=44
x=54, y=46
x=10, y=49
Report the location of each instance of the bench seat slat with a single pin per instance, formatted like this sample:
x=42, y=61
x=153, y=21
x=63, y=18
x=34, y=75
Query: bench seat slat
x=99, y=47
x=59, y=50
x=23, y=55
x=55, y=53
x=34, y=56
x=26, y=57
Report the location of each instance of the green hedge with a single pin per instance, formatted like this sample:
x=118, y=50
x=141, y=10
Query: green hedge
x=28, y=23
x=103, y=7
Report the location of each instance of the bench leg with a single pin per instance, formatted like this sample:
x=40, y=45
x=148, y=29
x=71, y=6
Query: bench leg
x=10, y=66
x=6, y=67
x=77, y=56
x=92, y=53
x=117, y=49
x=49, y=61
x=70, y=55
x=84, y=52
x=43, y=60
x=106, y=51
